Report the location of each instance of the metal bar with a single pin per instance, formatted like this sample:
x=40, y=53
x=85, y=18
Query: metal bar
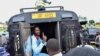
x=22, y=10
x=58, y=32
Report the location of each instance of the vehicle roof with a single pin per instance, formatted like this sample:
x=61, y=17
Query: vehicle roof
x=27, y=17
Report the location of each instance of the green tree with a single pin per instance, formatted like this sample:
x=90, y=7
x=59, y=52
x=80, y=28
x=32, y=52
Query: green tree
x=91, y=22
x=82, y=20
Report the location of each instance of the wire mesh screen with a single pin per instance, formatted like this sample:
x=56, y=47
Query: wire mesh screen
x=69, y=33
x=11, y=45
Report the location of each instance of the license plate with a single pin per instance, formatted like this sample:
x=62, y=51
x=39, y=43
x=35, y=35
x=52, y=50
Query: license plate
x=46, y=15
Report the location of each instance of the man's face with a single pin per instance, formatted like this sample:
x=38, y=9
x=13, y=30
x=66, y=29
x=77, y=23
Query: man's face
x=37, y=31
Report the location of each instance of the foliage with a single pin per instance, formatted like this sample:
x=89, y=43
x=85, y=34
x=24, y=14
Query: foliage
x=91, y=22
x=82, y=20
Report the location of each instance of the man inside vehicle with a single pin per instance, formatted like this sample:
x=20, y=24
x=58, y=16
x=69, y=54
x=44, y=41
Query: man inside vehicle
x=35, y=44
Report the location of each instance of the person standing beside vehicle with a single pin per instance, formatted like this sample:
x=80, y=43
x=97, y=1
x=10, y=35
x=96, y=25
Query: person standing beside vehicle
x=97, y=40
x=53, y=47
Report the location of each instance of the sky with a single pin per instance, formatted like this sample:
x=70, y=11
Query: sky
x=86, y=8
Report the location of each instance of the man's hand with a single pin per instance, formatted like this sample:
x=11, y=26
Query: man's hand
x=44, y=37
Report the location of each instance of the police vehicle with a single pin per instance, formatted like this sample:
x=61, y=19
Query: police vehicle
x=60, y=24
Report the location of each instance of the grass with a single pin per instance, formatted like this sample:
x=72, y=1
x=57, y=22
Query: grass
x=2, y=29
